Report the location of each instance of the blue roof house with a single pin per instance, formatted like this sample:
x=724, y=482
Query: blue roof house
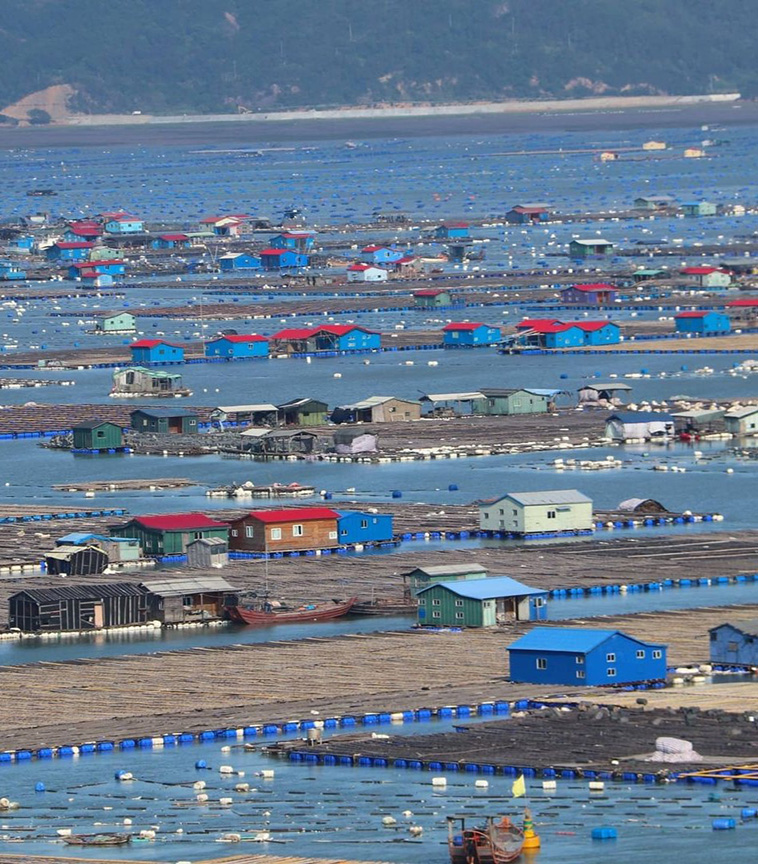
x=280, y=259
x=702, y=322
x=354, y=526
x=735, y=644
x=239, y=261
x=584, y=658
x=468, y=334
x=479, y=602
x=148, y=351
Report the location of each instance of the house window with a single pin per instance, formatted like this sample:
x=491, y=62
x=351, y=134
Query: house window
x=187, y=600
x=435, y=602
x=235, y=532
x=611, y=672
x=332, y=535
x=344, y=532
x=459, y=615
x=436, y=614
x=657, y=655
x=486, y=515
x=732, y=646
x=197, y=535
x=276, y=533
x=364, y=523
x=422, y=601
x=580, y=673
x=538, y=602
x=610, y=658
x=459, y=602
x=100, y=433
x=297, y=531
x=551, y=514
x=541, y=663
x=640, y=655
x=515, y=512
x=580, y=659
x=249, y=532
x=501, y=512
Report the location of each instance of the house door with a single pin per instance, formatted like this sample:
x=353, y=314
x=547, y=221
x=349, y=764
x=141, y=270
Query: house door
x=506, y=609
x=99, y=616
x=175, y=425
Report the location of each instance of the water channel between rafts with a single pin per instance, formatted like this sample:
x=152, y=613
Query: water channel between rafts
x=330, y=812
x=118, y=642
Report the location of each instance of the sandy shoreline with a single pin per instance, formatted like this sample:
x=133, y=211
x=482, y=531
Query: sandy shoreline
x=509, y=119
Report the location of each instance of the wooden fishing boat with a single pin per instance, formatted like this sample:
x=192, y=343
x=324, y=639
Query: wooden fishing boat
x=97, y=839
x=496, y=842
x=268, y=614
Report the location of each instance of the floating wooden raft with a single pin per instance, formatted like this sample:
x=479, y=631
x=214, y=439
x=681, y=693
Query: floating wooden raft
x=235, y=859
x=123, y=485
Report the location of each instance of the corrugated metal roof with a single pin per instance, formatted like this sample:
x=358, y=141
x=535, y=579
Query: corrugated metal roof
x=640, y=417
x=187, y=585
x=452, y=397
x=83, y=592
x=63, y=553
x=574, y=639
x=450, y=570
x=749, y=626
x=557, y=496
x=246, y=409
x=79, y=538
x=485, y=589
x=739, y=413
x=163, y=412
x=604, y=385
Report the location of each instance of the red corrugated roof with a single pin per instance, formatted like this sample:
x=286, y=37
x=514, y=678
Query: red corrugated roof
x=242, y=338
x=464, y=325
x=151, y=343
x=373, y=248
x=593, y=286
x=693, y=314
x=361, y=267
x=296, y=514
x=748, y=301
x=698, y=271
x=454, y=225
x=212, y=219
x=85, y=229
x=557, y=327
x=179, y=522
x=519, y=208
x=295, y=235
x=534, y=323
x=81, y=264
x=276, y=252
x=174, y=237
x=340, y=329
x=430, y=292
x=75, y=245
x=591, y=326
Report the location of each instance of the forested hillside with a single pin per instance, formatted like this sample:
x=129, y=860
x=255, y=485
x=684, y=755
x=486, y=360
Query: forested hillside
x=164, y=56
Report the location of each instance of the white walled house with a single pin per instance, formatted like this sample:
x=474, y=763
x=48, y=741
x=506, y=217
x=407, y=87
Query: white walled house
x=559, y=511
x=366, y=273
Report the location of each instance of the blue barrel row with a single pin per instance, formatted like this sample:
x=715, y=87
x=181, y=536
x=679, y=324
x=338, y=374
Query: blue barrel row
x=420, y=715
x=303, y=553
x=658, y=521
x=701, y=582
x=46, y=517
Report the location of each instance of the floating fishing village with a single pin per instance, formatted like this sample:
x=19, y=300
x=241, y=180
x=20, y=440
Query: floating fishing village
x=385, y=500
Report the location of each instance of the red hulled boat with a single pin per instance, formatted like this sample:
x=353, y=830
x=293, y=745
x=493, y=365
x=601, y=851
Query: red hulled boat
x=268, y=614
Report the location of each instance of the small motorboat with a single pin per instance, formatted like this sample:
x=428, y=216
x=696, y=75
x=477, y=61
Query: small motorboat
x=496, y=842
x=97, y=839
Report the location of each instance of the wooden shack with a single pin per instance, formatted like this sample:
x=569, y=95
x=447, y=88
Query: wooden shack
x=77, y=607
x=139, y=381
x=188, y=598
x=76, y=561
x=98, y=436
x=206, y=552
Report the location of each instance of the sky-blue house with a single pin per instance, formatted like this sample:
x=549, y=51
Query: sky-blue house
x=22, y=243
x=469, y=333
x=111, y=267
x=237, y=346
x=735, y=644
x=702, y=322
x=354, y=526
x=600, y=332
x=124, y=224
x=9, y=270
x=280, y=259
x=374, y=254
x=151, y=351
x=171, y=241
x=300, y=241
x=239, y=261
x=584, y=657
x=452, y=231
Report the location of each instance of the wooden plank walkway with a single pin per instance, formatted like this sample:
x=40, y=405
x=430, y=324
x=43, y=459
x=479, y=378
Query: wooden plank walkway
x=235, y=859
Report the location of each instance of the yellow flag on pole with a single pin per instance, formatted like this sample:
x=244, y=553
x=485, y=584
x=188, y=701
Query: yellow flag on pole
x=519, y=787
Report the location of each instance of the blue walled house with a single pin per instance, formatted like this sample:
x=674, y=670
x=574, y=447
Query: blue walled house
x=470, y=333
x=584, y=658
x=380, y=254
x=702, y=322
x=735, y=644
x=124, y=224
x=149, y=351
x=239, y=261
x=300, y=241
x=354, y=526
x=452, y=231
x=11, y=271
x=171, y=241
x=345, y=337
x=600, y=332
x=281, y=259
x=23, y=243
x=563, y=336
x=237, y=346
x=111, y=267
x=77, y=250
